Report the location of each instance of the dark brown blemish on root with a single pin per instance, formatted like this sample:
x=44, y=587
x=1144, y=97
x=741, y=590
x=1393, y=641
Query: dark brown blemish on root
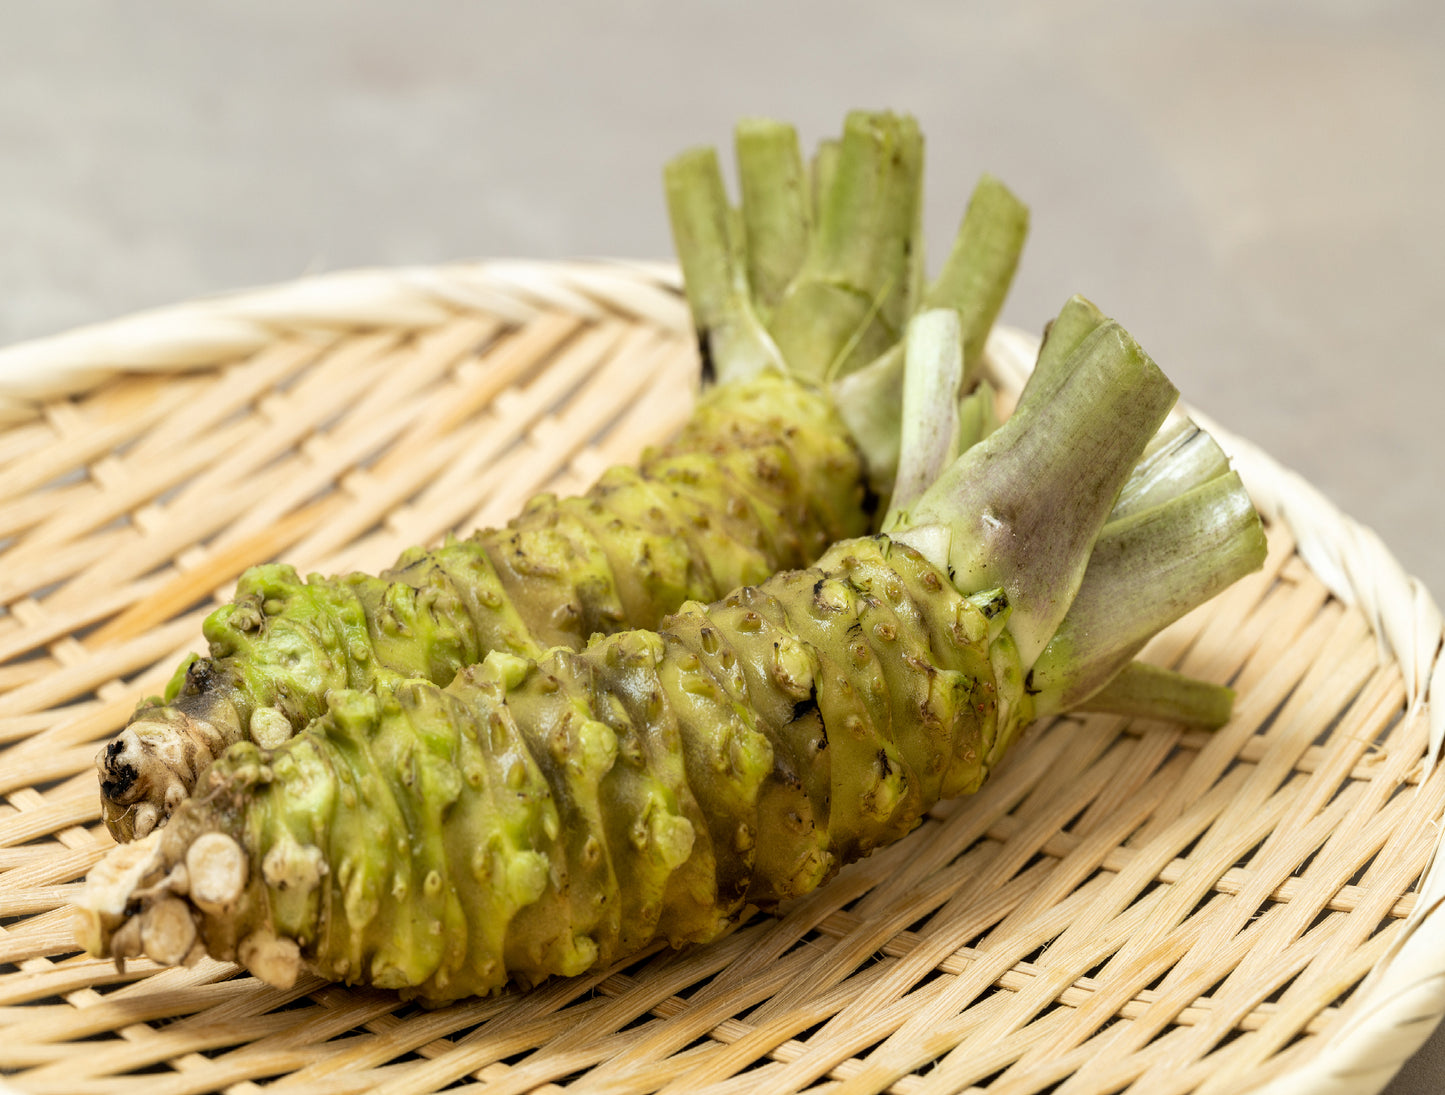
x=123, y=774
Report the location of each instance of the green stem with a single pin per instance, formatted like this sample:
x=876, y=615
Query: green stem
x=968, y=422
x=975, y=280
x=1022, y=508
x=976, y=277
x=850, y=300
x=1076, y=321
x=824, y=168
x=1144, y=691
x=902, y=230
x=932, y=371
x=977, y=415
x=870, y=400
x=733, y=342
x=1146, y=571
x=777, y=205
x=1179, y=458
x=912, y=299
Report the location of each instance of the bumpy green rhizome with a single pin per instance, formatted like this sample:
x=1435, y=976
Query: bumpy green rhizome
x=791, y=297
x=544, y=816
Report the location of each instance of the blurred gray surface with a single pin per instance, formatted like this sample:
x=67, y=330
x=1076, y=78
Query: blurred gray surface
x=1253, y=188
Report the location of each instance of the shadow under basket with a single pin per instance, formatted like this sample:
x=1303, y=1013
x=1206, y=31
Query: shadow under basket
x=1124, y=906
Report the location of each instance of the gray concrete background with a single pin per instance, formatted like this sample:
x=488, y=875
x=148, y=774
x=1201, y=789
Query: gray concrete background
x=1253, y=188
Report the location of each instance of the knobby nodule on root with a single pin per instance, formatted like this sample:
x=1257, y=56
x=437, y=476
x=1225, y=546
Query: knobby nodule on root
x=541, y=817
x=762, y=479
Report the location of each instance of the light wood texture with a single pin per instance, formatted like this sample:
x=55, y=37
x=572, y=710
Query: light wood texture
x=1123, y=907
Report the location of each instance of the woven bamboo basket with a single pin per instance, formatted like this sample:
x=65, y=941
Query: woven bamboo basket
x=1123, y=907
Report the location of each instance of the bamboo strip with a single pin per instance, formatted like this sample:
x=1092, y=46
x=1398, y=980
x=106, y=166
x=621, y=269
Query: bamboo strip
x=1125, y=905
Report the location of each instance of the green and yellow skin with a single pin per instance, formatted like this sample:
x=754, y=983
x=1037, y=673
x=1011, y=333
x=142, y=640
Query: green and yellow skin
x=541, y=817
x=764, y=477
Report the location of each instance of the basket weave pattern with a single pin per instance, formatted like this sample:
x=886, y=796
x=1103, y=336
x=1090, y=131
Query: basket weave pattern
x=1123, y=907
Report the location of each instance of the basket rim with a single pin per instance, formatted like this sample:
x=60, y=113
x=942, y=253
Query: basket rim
x=199, y=333
x=1402, y=1000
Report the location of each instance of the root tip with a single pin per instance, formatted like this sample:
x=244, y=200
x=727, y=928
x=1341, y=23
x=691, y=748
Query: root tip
x=273, y=959
x=217, y=869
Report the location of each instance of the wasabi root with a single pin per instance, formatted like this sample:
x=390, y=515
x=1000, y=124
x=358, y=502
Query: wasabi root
x=544, y=817
x=765, y=476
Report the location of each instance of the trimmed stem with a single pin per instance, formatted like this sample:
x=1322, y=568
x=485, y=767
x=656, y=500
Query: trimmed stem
x=932, y=371
x=1146, y=571
x=1180, y=458
x=870, y=402
x=977, y=415
x=732, y=341
x=777, y=208
x=823, y=168
x=917, y=265
x=899, y=283
x=975, y=280
x=1076, y=321
x=1144, y=691
x=851, y=298
x=1024, y=507
x=976, y=277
